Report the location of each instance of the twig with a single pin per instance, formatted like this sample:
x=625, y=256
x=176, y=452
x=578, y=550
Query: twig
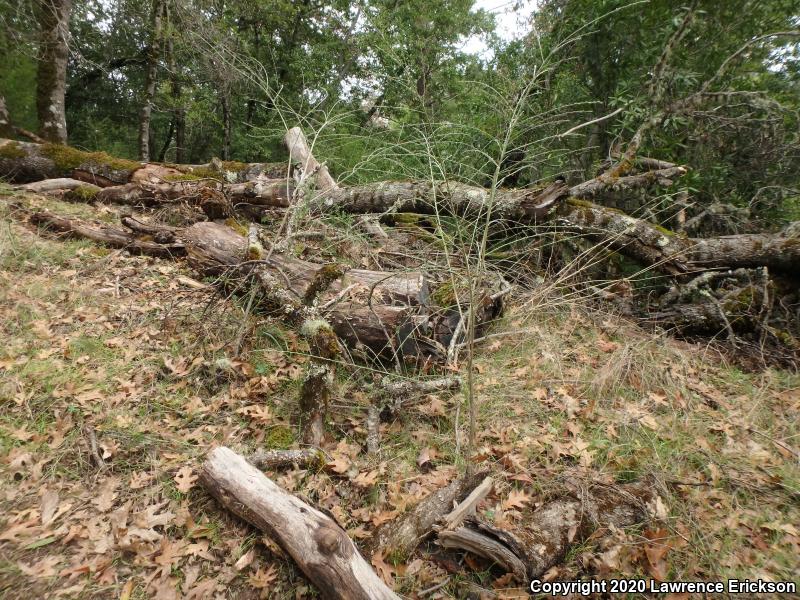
x=95, y=453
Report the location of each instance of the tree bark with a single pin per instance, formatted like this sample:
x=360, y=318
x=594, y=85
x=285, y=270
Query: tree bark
x=226, y=125
x=6, y=129
x=545, y=535
x=648, y=243
x=317, y=544
x=108, y=235
x=674, y=254
x=51, y=75
x=300, y=154
x=402, y=535
x=150, y=79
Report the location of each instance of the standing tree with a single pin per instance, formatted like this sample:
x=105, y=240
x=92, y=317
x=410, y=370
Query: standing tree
x=151, y=74
x=53, y=18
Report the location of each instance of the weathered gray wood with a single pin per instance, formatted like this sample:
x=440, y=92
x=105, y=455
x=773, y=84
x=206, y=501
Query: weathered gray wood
x=317, y=544
x=300, y=154
x=545, y=534
x=467, y=507
x=401, y=536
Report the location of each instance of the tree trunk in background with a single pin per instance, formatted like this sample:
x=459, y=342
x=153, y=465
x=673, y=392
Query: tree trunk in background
x=6, y=130
x=51, y=76
x=178, y=123
x=150, y=81
x=226, y=125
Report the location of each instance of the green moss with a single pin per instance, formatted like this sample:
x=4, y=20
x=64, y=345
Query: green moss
x=84, y=193
x=234, y=166
x=741, y=302
x=206, y=173
x=182, y=177
x=323, y=279
x=572, y=201
x=66, y=158
x=663, y=230
x=12, y=150
x=407, y=218
x=444, y=295
x=279, y=438
x=238, y=227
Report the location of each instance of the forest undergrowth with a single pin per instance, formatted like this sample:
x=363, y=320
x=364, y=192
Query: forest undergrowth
x=119, y=373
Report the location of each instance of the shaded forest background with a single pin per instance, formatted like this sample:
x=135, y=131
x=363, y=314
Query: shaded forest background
x=388, y=84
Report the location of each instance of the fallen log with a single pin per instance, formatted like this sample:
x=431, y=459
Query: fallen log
x=56, y=185
x=675, y=254
x=402, y=535
x=545, y=535
x=321, y=548
x=385, y=313
x=24, y=162
x=277, y=459
x=108, y=235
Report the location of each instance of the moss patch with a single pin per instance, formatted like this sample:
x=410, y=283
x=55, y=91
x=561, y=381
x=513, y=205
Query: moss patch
x=12, y=150
x=84, y=193
x=183, y=177
x=279, y=438
x=66, y=158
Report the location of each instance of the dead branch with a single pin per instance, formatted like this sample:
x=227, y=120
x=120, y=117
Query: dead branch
x=317, y=544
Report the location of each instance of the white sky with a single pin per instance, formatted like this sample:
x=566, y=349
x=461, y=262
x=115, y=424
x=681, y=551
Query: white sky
x=511, y=17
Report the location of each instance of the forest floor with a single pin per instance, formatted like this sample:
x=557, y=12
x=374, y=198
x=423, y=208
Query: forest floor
x=160, y=368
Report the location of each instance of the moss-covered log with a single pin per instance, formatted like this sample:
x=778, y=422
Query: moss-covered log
x=676, y=254
x=25, y=162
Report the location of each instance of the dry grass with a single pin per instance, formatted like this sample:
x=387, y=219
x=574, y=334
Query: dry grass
x=96, y=337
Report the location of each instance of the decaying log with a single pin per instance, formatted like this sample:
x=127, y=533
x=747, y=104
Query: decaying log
x=675, y=254
x=467, y=507
x=317, y=544
x=56, y=185
x=401, y=536
x=250, y=194
x=300, y=154
x=385, y=312
x=106, y=234
x=545, y=534
x=425, y=197
x=399, y=392
x=24, y=162
x=277, y=459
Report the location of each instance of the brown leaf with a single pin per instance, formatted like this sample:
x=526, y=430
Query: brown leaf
x=49, y=505
x=184, y=479
x=263, y=577
x=605, y=346
x=245, y=560
x=656, y=552
x=107, y=494
x=516, y=499
x=384, y=569
x=41, y=569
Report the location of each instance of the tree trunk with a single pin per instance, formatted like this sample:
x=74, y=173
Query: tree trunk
x=6, y=129
x=51, y=76
x=226, y=125
x=648, y=243
x=317, y=544
x=150, y=79
x=674, y=254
